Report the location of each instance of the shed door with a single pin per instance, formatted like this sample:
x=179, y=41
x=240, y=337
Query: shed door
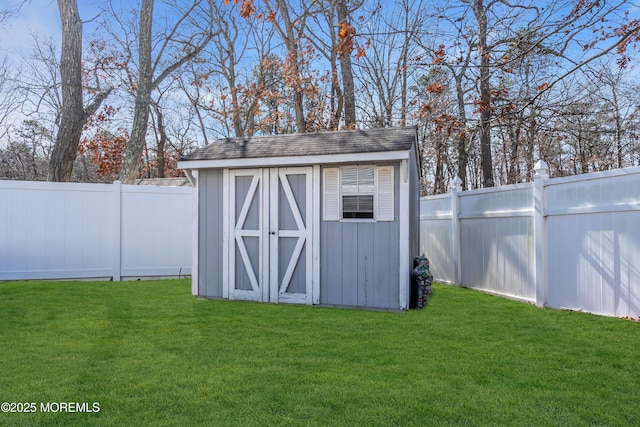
x=246, y=245
x=270, y=255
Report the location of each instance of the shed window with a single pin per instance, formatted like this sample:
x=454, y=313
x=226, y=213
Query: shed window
x=358, y=192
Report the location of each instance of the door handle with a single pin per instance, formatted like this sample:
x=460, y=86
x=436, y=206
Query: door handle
x=273, y=233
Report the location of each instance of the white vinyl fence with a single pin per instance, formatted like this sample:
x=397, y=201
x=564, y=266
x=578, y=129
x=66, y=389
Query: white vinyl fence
x=102, y=231
x=570, y=242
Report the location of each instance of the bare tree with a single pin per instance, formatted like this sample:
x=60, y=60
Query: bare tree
x=485, y=93
x=131, y=162
x=25, y=155
x=8, y=12
x=514, y=80
x=8, y=98
x=457, y=67
x=385, y=70
x=226, y=44
x=346, y=69
x=291, y=30
x=151, y=72
x=621, y=102
x=73, y=114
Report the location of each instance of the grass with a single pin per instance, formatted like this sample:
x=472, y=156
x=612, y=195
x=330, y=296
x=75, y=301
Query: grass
x=151, y=354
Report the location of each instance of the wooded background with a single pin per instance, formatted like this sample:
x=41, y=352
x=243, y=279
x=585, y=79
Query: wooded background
x=492, y=86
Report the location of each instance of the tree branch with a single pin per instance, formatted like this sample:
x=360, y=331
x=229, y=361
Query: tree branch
x=95, y=104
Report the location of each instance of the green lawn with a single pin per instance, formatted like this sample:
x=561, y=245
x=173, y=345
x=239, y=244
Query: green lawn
x=149, y=353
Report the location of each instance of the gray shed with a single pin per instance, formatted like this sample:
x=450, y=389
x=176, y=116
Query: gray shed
x=328, y=218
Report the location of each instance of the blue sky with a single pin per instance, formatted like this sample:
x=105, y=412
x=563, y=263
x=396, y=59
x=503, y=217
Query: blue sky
x=39, y=17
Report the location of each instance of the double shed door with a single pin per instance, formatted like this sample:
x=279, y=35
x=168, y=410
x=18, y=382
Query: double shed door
x=270, y=236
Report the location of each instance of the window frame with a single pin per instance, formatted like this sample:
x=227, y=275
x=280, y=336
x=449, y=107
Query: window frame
x=382, y=191
x=367, y=190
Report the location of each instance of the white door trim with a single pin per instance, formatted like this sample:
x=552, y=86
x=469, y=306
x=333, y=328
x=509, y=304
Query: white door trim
x=236, y=233
x=302, y=234
x=265, y=282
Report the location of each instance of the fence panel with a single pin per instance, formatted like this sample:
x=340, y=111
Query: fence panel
x=497, y=251
x=73, y=231
x=593, y=252
x=156, y=231
x=54, y=230
x=570, y=242
x=436, y=236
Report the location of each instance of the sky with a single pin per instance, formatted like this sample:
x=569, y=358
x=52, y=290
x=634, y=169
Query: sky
x=36, y=17
x=39, y=17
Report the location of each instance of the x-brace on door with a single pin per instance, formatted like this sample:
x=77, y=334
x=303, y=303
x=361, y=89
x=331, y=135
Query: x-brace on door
x=270, y=237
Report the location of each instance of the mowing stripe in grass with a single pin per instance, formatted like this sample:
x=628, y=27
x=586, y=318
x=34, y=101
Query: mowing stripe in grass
x=152, y=354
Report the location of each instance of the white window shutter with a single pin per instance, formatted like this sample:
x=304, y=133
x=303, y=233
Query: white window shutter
x=384, y=194
x=331, y=199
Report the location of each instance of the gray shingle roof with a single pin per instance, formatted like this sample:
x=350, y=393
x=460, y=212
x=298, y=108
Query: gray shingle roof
x=308, y=144
x=166, y=182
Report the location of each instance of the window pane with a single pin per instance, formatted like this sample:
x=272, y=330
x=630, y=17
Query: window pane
x=357, y=206
x=365, y=203
x=349, y=203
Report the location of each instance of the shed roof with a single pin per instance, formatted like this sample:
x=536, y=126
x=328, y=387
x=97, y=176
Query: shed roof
x=308, y=144
x=165, y=182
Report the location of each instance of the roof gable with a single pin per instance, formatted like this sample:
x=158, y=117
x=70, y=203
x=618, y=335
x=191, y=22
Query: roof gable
x=308, y=144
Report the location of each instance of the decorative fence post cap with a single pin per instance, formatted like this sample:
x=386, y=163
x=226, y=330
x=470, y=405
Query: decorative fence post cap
x=541, y=168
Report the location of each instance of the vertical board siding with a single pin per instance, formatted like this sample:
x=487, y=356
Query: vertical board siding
x=359, y=264
x=359, y=261
x=591, y=241
x=72, y=231
x=351, y=256
x=331, y=263
x=414, y=212
x=210, y=229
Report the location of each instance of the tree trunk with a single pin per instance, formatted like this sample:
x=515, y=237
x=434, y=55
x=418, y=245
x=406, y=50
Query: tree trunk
x=485, y=96
x=133, y=153
x=513, y=168
x=161, y=143
x=292, y=49
x=337, y=99
x=531, y=132
x=438, y=183
x=236, y=110
x=235, y=104
x=461, y=137
x=347, y=74
x=619, y=130
x=72, y=119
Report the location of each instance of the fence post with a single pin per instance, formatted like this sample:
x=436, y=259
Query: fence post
x=117, y=244
x=456, y=254
x=539, y=236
